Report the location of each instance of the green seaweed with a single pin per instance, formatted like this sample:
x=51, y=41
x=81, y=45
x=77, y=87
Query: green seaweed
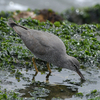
x=96, y=98
x=79, y=94
x=94, y=91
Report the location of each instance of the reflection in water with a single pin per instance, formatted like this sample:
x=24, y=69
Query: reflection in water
x=47, y=76
x=63, y=84
x=34, y=75
x=48, y=91
x=41, y=89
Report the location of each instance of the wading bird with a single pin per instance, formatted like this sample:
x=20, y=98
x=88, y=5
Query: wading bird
x=47, y=47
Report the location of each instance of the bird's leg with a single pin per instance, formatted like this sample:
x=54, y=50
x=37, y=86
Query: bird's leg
x=33, y=59
x=34, y=75
x=48, y=67
x=47, y=77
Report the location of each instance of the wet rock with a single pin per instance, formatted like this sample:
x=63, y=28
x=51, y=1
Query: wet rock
x=23, y=14
x=82, y=16
x=42, y=15
x=48, y=14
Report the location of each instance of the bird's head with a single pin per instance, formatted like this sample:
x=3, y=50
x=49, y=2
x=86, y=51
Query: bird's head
x=73, y=64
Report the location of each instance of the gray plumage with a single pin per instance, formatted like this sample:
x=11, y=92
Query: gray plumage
x=46, y=46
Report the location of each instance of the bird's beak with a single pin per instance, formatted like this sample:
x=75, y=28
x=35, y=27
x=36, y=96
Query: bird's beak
x=80, y=74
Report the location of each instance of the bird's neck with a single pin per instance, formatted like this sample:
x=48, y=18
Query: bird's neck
x=63, y=61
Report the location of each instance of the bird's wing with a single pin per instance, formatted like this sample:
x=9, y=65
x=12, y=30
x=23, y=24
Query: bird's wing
x=48, y=40
x=38, y=42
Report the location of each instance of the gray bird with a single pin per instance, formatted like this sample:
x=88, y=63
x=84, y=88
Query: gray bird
x=47, y=47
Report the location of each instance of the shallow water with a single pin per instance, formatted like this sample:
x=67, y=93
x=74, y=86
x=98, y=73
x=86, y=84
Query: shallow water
x=64, y=84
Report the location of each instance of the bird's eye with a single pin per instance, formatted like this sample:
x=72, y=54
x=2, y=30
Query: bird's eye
x=75, y=66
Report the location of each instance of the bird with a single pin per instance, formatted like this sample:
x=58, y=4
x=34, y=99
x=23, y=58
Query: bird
x=47, y=47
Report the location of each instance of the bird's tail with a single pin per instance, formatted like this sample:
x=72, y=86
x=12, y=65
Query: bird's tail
x=11, y=23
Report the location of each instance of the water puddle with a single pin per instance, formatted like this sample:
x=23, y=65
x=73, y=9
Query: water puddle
x=64, y=84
